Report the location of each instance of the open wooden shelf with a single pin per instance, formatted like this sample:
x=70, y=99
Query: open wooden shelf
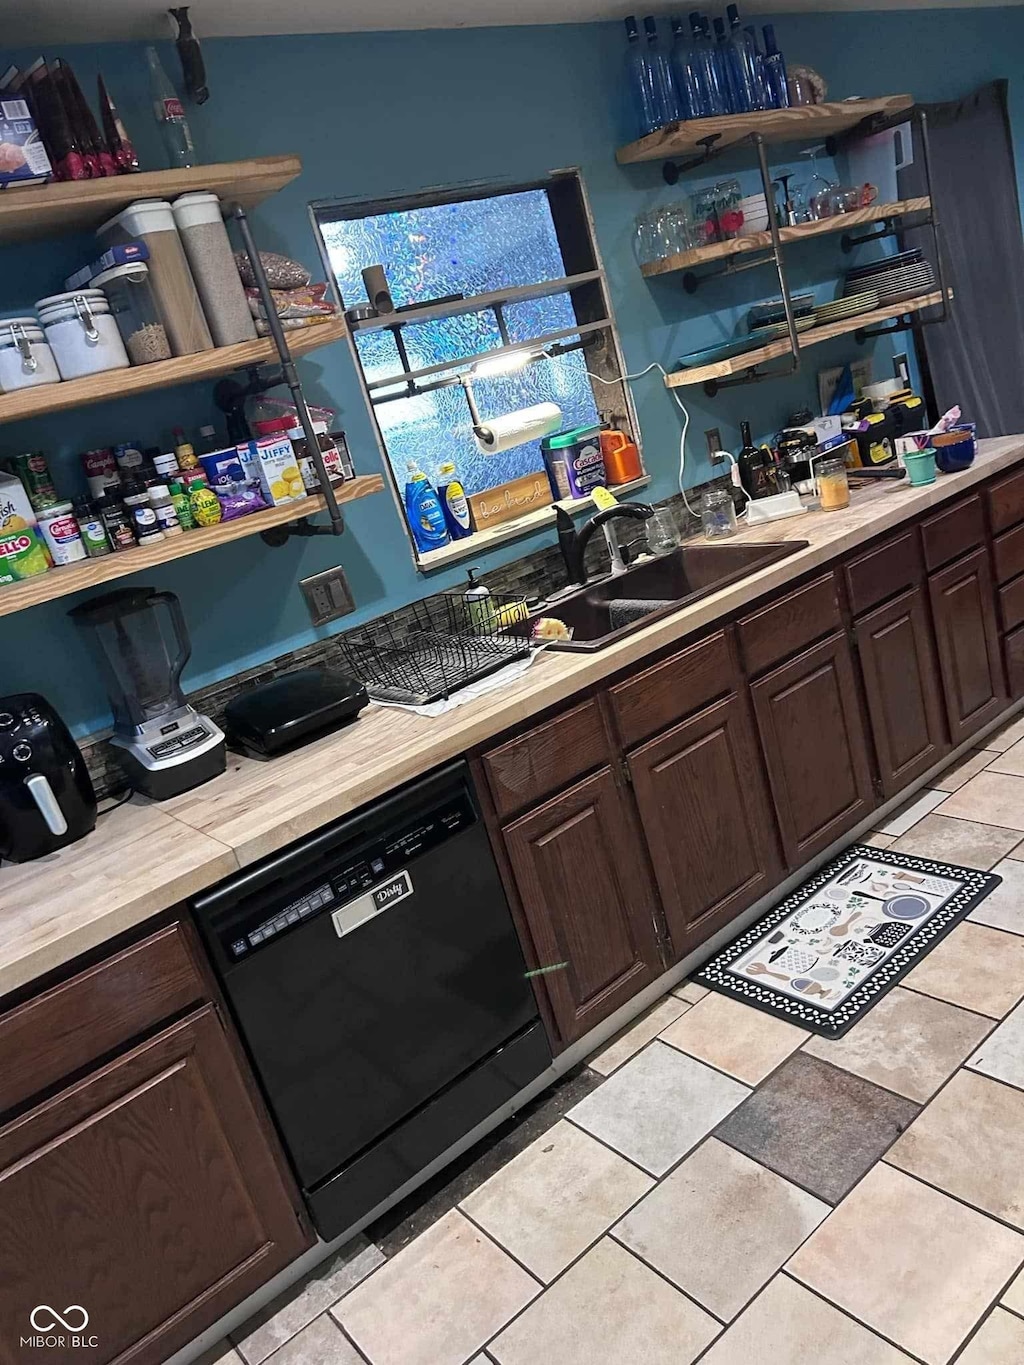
x=161, y=374
x=759, y=241
x=804, y=123
x=39, y=211
x=90, y=573
x=720, y=369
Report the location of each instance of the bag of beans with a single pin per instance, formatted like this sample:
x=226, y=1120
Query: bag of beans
x=282, y=272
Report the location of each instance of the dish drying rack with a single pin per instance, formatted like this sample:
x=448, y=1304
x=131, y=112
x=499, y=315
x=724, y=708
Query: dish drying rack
x=424, y=652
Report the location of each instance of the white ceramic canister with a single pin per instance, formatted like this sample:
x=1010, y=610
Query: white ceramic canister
x=25, y=356
x=82, y=334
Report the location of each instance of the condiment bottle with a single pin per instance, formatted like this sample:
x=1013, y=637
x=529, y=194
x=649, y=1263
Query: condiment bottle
x=116, y=521
x=187, y=458
x=141, y=512
x=90, y=524
x=179, y=497
x=205, y=504
x=208, y=442
x=166, y=513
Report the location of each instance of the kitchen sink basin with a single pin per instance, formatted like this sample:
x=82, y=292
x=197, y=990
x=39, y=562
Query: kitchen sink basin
x=604, y=612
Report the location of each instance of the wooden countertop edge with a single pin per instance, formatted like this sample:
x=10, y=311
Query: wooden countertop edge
x=225, y=836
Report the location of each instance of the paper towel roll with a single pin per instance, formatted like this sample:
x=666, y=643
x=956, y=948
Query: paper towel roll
x=515, y=428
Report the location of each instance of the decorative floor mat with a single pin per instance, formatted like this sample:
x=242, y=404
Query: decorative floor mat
x=839, y=942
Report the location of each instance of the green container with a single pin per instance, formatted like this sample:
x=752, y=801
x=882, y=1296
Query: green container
x=920, y=466
x=574, y=461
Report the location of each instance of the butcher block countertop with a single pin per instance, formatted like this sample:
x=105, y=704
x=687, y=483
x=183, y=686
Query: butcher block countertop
x=144, y=858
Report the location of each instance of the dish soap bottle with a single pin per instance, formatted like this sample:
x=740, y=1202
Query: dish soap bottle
x=452, y=497
x=479, y=607
x=423, y=510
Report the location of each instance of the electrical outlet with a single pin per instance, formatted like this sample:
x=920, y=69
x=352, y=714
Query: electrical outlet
x=714, y=439
x=328, y=596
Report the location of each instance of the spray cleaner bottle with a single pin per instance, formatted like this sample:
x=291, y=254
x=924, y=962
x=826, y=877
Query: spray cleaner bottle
x=423, y=510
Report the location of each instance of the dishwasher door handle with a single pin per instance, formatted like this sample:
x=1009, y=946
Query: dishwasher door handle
x=347, y=918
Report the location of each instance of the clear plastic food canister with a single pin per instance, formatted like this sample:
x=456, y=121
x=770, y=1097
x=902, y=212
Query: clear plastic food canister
x=25, y=356
x=82, y=333
x=134, y=309
x=208, y=248
x=151, y=221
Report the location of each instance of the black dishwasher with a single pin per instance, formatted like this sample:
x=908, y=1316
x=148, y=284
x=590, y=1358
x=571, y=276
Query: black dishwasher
x=378, y=983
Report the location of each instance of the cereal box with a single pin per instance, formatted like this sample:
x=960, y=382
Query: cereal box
x=23, y=159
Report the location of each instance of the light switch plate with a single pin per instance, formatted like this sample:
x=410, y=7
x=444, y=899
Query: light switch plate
x=328, y=596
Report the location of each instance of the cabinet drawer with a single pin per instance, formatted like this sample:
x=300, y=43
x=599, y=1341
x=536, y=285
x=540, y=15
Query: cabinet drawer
x=1011, y=604
x=1006, y=502
x=532, y=766
x=1008, y=555
x=883, y=572
x=952, y=533
x=73, y=1024
x=680, y=685
x=776, y=631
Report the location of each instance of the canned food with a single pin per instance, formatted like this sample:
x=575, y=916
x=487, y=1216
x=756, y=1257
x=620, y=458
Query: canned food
x=34, y=474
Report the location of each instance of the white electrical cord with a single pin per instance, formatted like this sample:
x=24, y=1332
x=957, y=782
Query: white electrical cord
x=686, y=420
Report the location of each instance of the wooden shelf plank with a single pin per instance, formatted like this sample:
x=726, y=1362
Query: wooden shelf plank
x=737, y=364
x=90, y=573
x=759, y=241
x=804, y=123
x=77, y=206
x=161, y=374
x=476, y=303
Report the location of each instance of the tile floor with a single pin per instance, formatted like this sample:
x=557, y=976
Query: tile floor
x=719, y=1185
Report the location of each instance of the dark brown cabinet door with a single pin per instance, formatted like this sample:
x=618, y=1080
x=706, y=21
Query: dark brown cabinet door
x=808, y=715
x=585, y=892
x=146, y=1194
x=967, y=639
x=707, y=819
x=902, y=689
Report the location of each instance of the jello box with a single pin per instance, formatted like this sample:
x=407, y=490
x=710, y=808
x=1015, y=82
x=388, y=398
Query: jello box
x=23, y=159
x=271, y=463
x=23, y=552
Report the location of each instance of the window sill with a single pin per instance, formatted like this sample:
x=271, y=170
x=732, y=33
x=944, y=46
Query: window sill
x=482, y=541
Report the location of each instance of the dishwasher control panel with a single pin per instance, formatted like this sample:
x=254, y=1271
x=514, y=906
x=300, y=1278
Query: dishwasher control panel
x=348, y=876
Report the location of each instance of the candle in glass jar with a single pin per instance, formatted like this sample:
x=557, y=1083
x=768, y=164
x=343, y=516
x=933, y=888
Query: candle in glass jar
x=833, y=488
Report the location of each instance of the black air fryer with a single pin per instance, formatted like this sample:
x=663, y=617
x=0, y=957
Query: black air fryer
x=46, y=795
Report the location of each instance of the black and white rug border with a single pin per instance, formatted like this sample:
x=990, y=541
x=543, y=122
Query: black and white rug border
x=833, y=1024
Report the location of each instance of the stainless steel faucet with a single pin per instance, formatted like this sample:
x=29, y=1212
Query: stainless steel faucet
x=573, y=543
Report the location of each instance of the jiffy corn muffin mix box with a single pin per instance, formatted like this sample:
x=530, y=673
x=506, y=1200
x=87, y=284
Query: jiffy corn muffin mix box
x=271, y=462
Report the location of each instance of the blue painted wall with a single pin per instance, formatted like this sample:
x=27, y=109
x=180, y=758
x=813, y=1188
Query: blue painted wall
x=379, y=114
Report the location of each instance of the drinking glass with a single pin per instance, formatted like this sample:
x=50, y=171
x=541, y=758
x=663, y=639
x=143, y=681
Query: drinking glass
x=662, y=536
x=718, y=514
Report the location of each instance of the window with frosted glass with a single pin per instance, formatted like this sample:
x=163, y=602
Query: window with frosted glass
x=474, y=244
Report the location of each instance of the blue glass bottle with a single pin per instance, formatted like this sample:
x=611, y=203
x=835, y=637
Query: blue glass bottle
x=684, y=71
x=712, y=89
x=751, y=94
x=724, y=61
x=751, y=33
x=640, y=81
x=775, y=70
x=666, y=100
